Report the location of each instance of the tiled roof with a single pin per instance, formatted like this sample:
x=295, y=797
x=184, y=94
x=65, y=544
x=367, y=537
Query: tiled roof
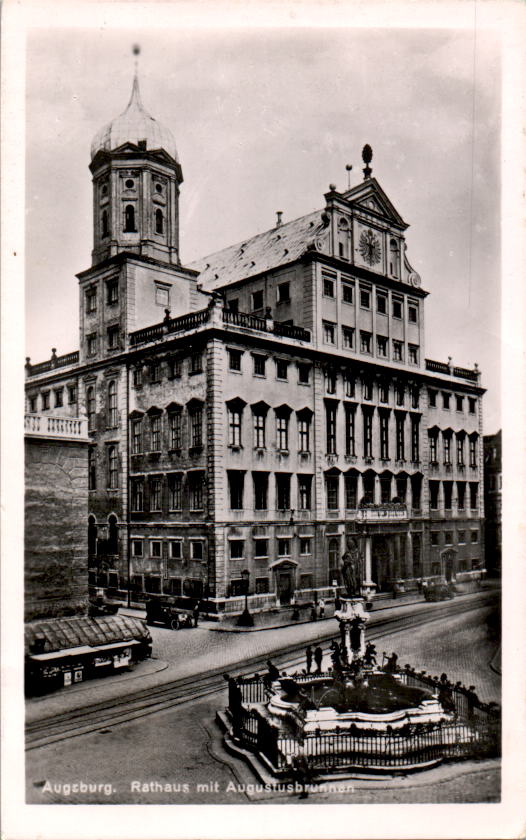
x=263, y=252
x=63, y=633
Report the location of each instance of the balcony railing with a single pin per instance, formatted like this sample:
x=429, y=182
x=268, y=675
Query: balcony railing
x=64, y=428
x=51, y=364
x=382, y=513
x=449, y=370
x=170, y=325
x=242, y=319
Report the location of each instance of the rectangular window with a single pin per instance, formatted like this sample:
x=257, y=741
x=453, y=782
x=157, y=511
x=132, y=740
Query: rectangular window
x=155, y=371
x=330, y=381
x=330, y=415
x=474, y=536
x=176, y=549
x=435, y=537
x=283, y=491
x=381, y=344
x=434, y=487
x=262, y=585
x=303, y=373
x=155, y=494
x=112, y=292
x=91, y=301
x=137, y=548
x=398, y=351
x=433, y=448
x=460, y=451
x=195, y=485
x=306, y=581
x=412, y=313
x=237, y=549
x=155, y=433
x=383, y=391
x=136, y=436
x=113, y=468
x=472, y=405
x=365, y=298
x=400, y=437
x=113, y=337
x=236, y=480
x=175, y=492
x=282, y=429
x=365, y=342
x=349, y=384
x=350, y=429
x=196, y=363
x=259, y=364
x=196, y=549
x=447, y=449
x=260, y=548
x=176, y=430
x=162, y=295
x=233, y=305
x=381, y=303
x=260, y=480
x=415, y=396
x=72, y=394
x=448, y=495
x=234, y=427
x=282, y=368
x=328, y=332
x=413, y=354
x=196, y=427
x=156, y=548
x=283, y=547
x=59, y=397
x=347, y=293
x=367, y=389
x=397, y=305
x=332, y=484
x=448, y=538
x=432, y=398
x=257, y=300
x=175, y=368
x=445, y=400
x=415, y=439
x=384, y=436
x=461, y=495
x=234, y=360
x=137, y=377
x=400, y=394
x=32, y=404
x=137, y=495
x=461, y=537
x=283, y=292
x=473, y=452
x=304, y=434
x=259, y=430
x=91, y=344
x=348, y=337
x=351, y=491
x=328, y=287
x=305, y=545
x=367, y=434
x=460, y=403
x=473, y=494
x=304, y=491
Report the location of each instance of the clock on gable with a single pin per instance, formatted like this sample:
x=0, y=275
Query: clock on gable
x=369, y=247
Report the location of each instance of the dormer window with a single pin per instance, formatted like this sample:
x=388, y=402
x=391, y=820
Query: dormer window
x=129, y=219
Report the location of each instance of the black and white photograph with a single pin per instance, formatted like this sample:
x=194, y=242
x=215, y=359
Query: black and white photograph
x=260, y=372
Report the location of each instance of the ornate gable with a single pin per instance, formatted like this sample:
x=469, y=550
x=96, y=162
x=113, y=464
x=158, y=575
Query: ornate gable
x=370, y=197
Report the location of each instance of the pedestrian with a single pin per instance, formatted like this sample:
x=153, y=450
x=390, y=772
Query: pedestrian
x=318, y=658
x=322, y=607
x=337, y=604
x=308, y=657
x=313, y=613
x=196, y=613
x=272, y=672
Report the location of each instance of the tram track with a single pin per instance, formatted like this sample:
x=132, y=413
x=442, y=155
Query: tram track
x=105, y=715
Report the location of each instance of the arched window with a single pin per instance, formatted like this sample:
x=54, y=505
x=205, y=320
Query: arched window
x=90, y=406
x=129, y=219
x=113, y=468
x=92, y=471
x=159, y=221
x=113, y=416
x=92, y=536
x=105, y=229
x=113, y=535
x=394, y=268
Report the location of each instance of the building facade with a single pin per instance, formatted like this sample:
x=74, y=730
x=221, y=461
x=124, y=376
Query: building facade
x=493, y=501
x=266, y=409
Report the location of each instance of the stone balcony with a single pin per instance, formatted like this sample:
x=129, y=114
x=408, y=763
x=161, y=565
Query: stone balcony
x=56, y=428
x=392, y=511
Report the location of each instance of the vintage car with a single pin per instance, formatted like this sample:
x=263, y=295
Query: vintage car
x=438, y=591
x=164, y=612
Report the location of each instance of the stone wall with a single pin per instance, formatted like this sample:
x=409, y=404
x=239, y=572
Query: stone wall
x=56, y=513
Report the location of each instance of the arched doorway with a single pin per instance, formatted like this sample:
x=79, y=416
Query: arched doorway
x=448, y=564
x=285, y=573
x=113, y=535
x=381, y=565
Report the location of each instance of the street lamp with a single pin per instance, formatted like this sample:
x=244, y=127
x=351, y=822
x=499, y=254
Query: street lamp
x=245, y=619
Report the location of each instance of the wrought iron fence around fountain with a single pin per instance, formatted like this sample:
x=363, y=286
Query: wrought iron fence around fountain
x=475, y=731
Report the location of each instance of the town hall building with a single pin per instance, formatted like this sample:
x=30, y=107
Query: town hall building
x=257, y=414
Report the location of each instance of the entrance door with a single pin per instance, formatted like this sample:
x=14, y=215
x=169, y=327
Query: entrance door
x=380, y=558
x=284, y=587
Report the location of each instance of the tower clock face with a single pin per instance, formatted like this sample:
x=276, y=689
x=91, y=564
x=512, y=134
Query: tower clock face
x=369, y=247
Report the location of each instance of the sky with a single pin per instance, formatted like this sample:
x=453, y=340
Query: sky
x=264, y=120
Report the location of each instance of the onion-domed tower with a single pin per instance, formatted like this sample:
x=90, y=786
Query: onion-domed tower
x=136, y=178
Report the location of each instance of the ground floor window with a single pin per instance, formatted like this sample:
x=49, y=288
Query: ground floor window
x=262, y=585
x=260, y=548
x=173, y=586
x=193, y=588
x=306, y=581
x=152, y=584
x=237, y=587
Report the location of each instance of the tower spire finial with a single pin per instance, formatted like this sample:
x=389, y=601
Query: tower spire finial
x=135, y=98
x=367, y=156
